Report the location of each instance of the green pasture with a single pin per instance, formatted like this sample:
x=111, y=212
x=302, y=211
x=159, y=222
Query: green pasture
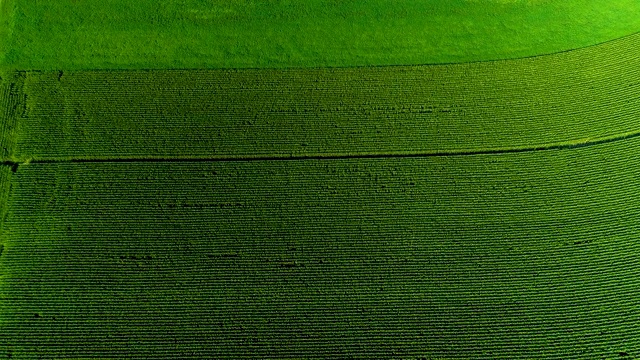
x=79, y=34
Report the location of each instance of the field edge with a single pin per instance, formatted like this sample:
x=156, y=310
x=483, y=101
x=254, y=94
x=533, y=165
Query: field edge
x=5, y=187
x=7, y=8
x=12, y=102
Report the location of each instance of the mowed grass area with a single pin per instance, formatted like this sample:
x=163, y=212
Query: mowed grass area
x=577, y=97
x=74, y=34
x=529, y=255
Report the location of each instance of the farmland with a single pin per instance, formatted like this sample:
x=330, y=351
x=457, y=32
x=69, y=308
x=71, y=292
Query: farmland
x=223, y=179
x=321, y=257
x=253, y=113
x=199, y=34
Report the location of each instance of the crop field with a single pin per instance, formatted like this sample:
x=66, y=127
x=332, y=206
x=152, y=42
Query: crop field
x=106, y=34
x=202, y=114
x=223, y=179
x=364, y=258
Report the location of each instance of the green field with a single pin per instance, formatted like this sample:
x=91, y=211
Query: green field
x=208, y=114
x=235, y=179
x=81, y=34
x=437, y=257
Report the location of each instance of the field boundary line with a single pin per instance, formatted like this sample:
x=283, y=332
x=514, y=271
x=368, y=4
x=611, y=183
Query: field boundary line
x=574, y=144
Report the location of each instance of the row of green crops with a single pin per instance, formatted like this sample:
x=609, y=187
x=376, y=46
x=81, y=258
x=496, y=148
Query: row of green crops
x=5, y=187
x=562, y=99
x=10, y=93
x=12, y=106
x=72, y=34
x=532, y=255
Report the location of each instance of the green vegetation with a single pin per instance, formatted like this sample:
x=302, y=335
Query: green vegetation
x=75, y=34
x=5, y=184
x=441, y=257
x=584, y=96
x=12, y=104
x=237, y=209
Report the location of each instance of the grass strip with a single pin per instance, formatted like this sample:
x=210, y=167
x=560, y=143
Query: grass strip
x=120, y=34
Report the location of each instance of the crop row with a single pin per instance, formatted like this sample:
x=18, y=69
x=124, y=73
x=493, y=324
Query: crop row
x=5, y=178
x=12, y=103
x=435, y=257
x=583, y=94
